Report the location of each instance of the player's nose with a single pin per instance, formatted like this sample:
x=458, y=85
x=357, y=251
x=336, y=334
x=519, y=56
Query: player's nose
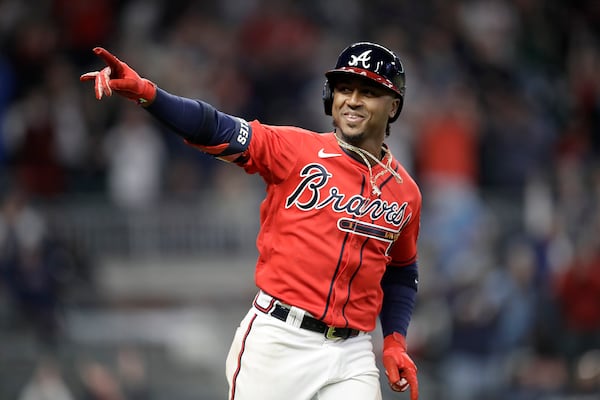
x=354, y=98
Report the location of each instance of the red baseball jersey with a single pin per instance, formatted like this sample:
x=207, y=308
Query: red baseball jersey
x=325, y=239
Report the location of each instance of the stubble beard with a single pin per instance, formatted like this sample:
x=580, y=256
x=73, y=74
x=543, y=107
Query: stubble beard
x=355, y=139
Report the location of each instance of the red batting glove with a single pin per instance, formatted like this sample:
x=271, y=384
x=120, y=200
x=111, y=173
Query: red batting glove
x=399, y=367
x=121, y=78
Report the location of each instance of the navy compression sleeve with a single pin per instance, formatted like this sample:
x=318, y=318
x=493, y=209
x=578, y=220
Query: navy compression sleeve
x=199, y=122
x=399, y=286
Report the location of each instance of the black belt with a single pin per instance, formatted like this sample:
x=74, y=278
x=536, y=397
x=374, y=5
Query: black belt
x=315, y=325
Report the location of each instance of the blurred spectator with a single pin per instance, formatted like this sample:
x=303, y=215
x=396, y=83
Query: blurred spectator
x=22, y=227
x=584, y=100
x=45, y=141
x=7, y=89
x=587, y=373
x=31, y=140
x=537, y=375
x=30, y=278
x=514, y=287
x=47, y=383
x=131, y=369
x=578, y=296
x=99, y=383
x=447, y=142
x=30, y=46
x=489, y=29
x=470, y=368
x=136, y=154
x=70, y=128
x=514, y=145
x=275, y=42
x=83, y=24
x=446, y=159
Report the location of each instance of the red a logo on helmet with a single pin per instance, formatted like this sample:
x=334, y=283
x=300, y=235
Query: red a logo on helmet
x=363, y=58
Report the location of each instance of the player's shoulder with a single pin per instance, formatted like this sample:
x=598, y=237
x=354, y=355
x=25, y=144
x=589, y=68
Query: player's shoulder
x=284, y=129
x=289, y=133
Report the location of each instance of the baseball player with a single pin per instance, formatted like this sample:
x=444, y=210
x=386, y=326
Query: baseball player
x=338, y=231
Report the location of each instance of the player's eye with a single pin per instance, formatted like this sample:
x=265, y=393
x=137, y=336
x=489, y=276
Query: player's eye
x=344, y=89
x=369, y=92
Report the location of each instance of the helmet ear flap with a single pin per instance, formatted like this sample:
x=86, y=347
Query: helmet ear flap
x=327, y=98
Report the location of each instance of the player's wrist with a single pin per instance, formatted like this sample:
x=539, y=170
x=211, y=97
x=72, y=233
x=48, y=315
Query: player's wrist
x=148, y=93
x=395, y=340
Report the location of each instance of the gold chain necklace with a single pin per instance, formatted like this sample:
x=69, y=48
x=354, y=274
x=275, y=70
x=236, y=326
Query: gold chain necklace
x=364, y=154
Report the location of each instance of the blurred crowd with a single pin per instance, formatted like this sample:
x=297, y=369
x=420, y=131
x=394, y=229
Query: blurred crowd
x=501, y=129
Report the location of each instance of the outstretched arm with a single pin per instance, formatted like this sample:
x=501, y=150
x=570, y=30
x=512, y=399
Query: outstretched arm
x=199, y=123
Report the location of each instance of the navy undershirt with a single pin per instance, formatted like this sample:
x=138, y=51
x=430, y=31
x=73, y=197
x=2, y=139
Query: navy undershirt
x=399, y=286
x=194, y=120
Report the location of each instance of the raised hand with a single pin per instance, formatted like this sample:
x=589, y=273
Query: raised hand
x=119, y=77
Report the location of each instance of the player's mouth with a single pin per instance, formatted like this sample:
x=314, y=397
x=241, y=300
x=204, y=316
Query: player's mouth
x=353, y=117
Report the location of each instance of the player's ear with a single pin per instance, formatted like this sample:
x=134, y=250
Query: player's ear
x=394, y=107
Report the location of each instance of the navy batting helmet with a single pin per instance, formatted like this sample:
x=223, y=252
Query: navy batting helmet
x=371, y=61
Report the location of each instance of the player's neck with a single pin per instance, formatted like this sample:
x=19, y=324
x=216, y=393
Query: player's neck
x=353, y=146
x=371, y=160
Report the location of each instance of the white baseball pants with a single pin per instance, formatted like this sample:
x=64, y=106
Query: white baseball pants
x=271, y=359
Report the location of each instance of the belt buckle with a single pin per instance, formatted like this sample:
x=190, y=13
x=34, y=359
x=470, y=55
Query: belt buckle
x=330, y=333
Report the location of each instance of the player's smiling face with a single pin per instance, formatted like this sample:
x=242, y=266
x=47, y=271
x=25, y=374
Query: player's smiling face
x=361, y=108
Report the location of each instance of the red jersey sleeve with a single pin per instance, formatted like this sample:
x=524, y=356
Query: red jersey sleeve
x=274, y=152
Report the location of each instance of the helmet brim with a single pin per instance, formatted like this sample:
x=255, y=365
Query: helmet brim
x=332, y=74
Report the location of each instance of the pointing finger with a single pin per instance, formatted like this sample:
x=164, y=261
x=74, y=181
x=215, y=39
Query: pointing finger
x=110, y=59
x=413, y=383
